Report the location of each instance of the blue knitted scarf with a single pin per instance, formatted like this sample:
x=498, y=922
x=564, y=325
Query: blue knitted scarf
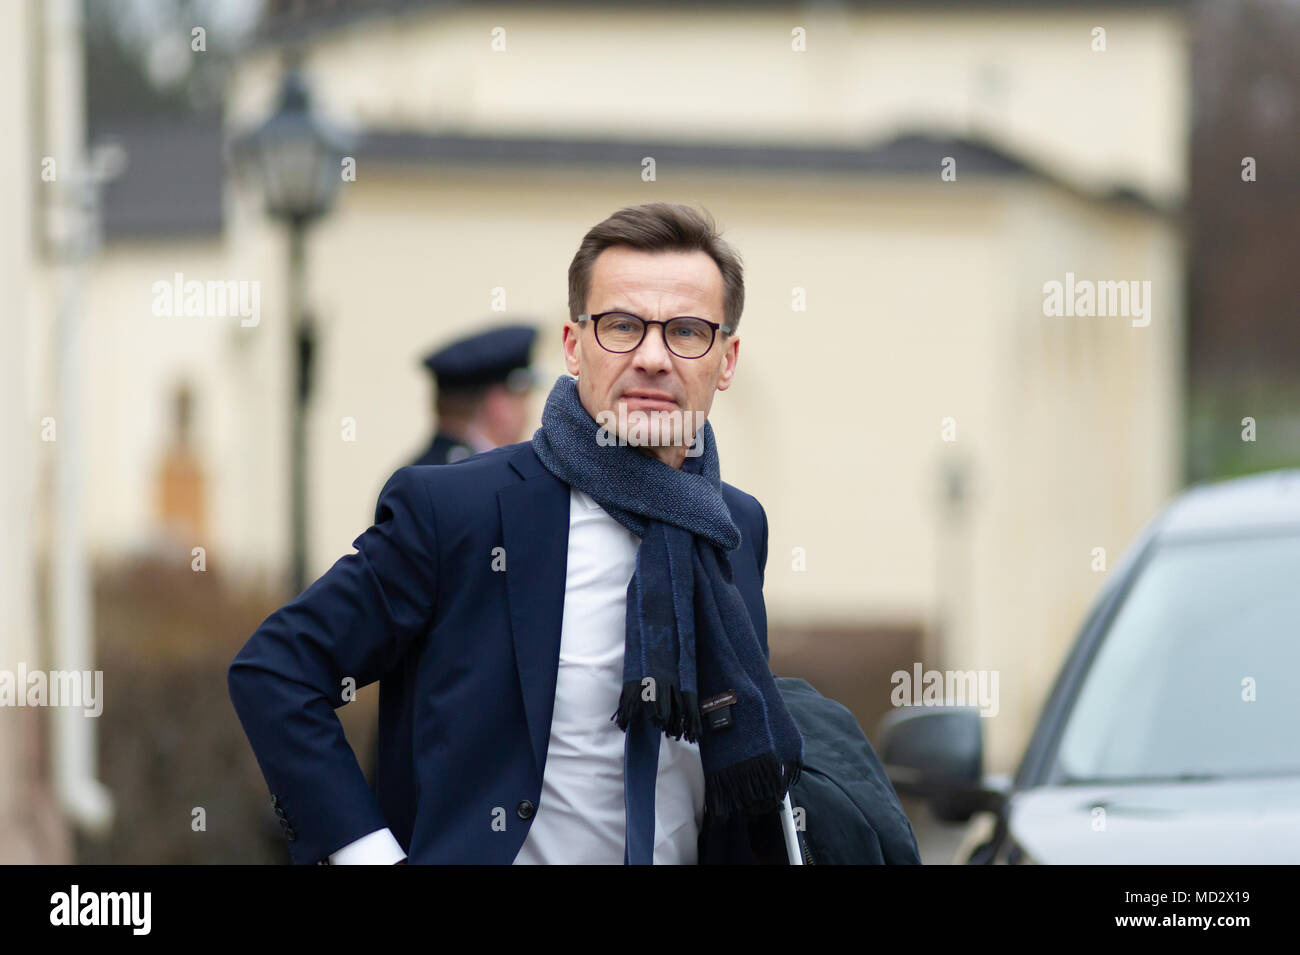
x=689, y=634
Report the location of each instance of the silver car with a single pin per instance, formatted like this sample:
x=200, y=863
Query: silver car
x=1172, y=733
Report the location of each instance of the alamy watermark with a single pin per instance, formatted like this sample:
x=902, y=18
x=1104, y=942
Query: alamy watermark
x=655, y=429
x=976, y=688
x=130, y=909
x=1086, y=298
x=23, y=687
x=178, y=298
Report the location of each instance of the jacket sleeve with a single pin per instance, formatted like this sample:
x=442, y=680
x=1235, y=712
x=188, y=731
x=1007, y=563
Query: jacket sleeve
x=307, y=658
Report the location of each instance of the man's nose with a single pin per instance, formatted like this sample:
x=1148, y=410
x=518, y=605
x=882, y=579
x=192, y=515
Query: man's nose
x=653, y=354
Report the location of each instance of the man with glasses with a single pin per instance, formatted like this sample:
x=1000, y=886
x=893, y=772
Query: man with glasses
x=580, y=621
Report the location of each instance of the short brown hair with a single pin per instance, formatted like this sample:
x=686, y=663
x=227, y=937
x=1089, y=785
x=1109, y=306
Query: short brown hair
x=659, y=227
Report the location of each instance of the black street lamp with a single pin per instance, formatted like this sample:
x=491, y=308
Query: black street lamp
x=297, y=159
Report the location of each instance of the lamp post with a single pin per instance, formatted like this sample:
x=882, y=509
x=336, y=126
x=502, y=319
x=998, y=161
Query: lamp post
x=296, y=157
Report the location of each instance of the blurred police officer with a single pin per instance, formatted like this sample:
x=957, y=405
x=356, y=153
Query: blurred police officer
x=482, y=385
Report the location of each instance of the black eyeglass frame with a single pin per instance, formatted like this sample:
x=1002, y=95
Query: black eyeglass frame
x=645, y=328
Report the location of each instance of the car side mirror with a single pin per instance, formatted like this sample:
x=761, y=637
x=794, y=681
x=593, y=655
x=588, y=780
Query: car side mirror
x=937, y=753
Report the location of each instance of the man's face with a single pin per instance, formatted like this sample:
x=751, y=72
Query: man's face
x=655, y=286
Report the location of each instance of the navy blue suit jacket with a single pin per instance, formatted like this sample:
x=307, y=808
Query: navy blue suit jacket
x=467, y=658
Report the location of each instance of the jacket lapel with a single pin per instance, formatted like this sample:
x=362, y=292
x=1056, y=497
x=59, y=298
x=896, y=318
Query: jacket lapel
x=535, y=531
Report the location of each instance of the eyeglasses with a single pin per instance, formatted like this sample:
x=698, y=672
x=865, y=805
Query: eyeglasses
x=685, y=336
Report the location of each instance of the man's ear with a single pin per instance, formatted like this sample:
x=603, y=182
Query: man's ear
x=731, y=355
x=571, y=340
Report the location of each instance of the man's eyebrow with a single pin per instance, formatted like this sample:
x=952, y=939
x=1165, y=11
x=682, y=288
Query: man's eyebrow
x=629, y=311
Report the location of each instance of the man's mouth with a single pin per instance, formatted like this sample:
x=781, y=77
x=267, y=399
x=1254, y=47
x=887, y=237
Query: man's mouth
x=651, y=400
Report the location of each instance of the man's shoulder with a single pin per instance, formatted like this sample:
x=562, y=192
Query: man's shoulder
x=735, y=497
x=477, y=472
x=745, y=508
x=467, y=486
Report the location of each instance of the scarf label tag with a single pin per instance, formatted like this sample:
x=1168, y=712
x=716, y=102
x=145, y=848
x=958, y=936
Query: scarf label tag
x=717, y=710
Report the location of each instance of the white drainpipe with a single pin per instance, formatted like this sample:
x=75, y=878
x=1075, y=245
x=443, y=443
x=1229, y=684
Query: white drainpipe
x=72, y=228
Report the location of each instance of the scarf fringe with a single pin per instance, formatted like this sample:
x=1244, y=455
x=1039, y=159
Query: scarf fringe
x=754, y=787
x=675, y=712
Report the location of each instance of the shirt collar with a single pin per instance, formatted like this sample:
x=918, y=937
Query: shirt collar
x=585, y=499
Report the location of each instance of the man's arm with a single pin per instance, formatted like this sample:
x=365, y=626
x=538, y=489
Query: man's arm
x=308, y=658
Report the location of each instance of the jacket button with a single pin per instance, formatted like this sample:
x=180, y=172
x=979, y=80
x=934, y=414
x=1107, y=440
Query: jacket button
x=525, y=809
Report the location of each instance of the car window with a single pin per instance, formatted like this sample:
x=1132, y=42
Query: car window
x=1199, y=672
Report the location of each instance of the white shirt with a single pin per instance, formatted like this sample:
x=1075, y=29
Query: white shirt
x=580, y=816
